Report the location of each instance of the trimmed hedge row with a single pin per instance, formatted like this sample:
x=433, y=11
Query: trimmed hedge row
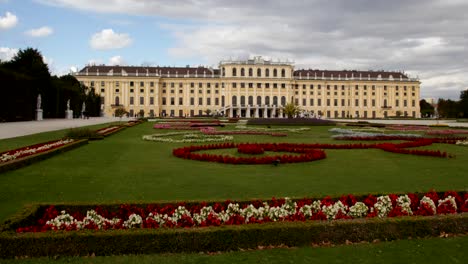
x=144, y=241
x=25, y=161
x=222, y=238
x=290, y=121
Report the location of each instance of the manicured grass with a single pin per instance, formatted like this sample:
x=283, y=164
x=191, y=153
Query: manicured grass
x=432, y=250
x=18, y=142
x=124, y=168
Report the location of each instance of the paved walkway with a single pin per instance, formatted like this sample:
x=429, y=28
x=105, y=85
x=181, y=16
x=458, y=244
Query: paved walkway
x=18, y=129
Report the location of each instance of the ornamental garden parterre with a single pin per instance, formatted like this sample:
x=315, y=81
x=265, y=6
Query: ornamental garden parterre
x=239, y=145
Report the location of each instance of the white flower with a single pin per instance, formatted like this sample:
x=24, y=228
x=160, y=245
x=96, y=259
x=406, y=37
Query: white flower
x=383, y=206
x=359, y=209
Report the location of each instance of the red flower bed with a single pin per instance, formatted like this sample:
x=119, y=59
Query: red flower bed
x=252, y=149
x=446, y=132
x=203, y=214
x=305, y=154
x=309, y=152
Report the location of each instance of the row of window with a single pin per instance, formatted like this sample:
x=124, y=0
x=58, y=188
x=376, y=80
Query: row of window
x=250, y=72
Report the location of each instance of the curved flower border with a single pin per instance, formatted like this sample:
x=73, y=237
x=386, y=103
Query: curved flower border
x=305, y=154
x=188, y=138
x=202, y=214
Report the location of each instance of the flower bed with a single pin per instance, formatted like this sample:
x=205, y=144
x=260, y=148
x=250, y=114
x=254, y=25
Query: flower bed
x=305, y=154
x=407, y=128
x=252, y=149
x=308, y=152
x=189, y=215
x=21, y=157
x=108, y=130
x=462, y=142
x=211, y=131
x=446, y=132
x=32, y=150
x=187, y=138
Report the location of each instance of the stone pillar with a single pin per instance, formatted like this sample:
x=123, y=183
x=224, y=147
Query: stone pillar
x=256, y=111
x=248, y=112
x=230, y=112
x=69, y=114
x=273, y=112
x=39, y=115
x=239, y=111
x=265, y=112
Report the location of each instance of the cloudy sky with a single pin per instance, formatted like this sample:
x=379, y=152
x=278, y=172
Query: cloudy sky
x=425, y=38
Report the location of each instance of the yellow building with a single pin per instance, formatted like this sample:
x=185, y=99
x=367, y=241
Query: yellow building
x=252, y=88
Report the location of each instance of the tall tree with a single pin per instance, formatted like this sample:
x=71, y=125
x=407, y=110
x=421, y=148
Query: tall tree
x=463, y=104
x=427, y=109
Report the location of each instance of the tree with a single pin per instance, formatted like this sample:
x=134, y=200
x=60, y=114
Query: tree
x=291, y=110
x=208, y=111
x=463, y=104
x=426, y=108
x=120, y=112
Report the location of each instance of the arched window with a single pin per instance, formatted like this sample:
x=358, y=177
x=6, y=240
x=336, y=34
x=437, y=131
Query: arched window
x=283, y=73
x=234, y=100
x=283, y=100
x=242, y=102
x=242, y=72
x=250, y=100
x=117, y=100
x=267, y=100
x=222, y=101
x=275, y=73
x=259, y=100
x=267, y=73
x=259, y=72
x=250, y=72
x=234, y=72
x=275, y=100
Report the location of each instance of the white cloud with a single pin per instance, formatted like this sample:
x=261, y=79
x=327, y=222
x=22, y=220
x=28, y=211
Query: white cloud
x=107, y=39
x=40, y=32
x=6, y=54
x=8, y=21
x=424, y=37
x=117, y=60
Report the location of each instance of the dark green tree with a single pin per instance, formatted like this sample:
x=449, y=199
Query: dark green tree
x=426, y=108
x=463, y=104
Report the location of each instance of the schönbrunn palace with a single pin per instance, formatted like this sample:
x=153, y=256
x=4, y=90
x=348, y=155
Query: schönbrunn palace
x=252, y=88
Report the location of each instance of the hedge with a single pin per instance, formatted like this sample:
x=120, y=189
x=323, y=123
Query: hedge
x=25, y=161
x=145, y=241
x=291, y=121
x=209, y=239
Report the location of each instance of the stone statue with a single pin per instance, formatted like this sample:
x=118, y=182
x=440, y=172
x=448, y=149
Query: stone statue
x=83, y=107
x=68, y=104
x=39, y=102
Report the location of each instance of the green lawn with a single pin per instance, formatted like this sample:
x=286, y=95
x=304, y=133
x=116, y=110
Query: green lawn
x=125, y=168
x=432, y=250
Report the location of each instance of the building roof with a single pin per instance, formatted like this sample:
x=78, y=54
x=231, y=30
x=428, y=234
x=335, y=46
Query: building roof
x=132, y=70
x=350, y=73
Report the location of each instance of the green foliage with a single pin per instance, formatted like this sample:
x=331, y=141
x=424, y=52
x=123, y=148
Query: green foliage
x=120, y=112
x=291, y=110
x=463, y=104
x=426, y=108
x=26, y=76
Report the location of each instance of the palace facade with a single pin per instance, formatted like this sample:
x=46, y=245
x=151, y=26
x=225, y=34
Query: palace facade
x=252, y=88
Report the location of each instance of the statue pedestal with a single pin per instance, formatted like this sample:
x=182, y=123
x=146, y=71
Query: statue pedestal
x=69, y=114
x=38, y=114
